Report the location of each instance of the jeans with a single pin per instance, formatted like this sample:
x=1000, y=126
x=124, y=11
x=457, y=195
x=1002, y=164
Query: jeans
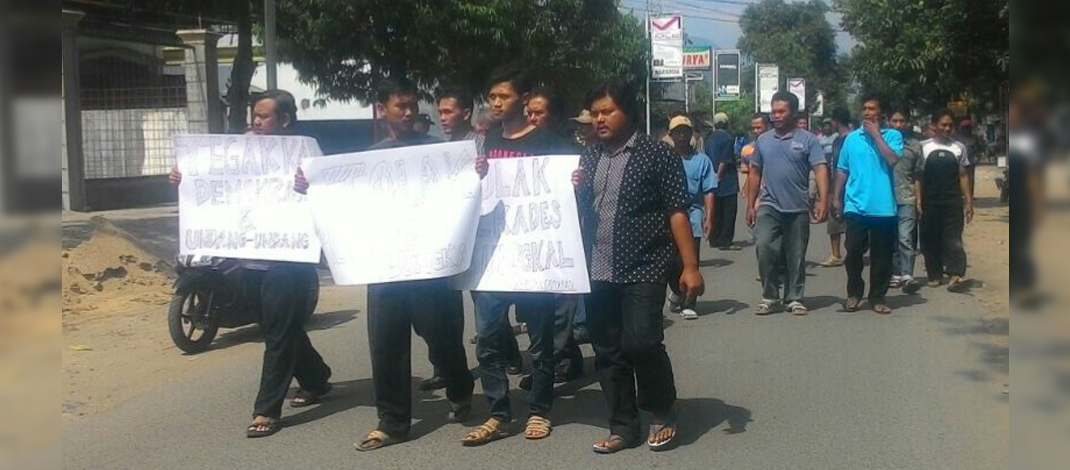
x=567, y=354
x=538, y=311
x=633, y=368
x=903, y=260
x=676, y=268
x=782, y=242
x=944, y=251
x=724, y=221
x=878, y=234
x=288, y=353
x=394, y=311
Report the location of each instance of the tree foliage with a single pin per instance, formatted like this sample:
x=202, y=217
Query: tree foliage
x=798, y=38
x=345, y=47
x=924, y=53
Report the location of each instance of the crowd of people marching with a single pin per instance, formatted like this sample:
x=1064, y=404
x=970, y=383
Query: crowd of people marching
x=645, y=206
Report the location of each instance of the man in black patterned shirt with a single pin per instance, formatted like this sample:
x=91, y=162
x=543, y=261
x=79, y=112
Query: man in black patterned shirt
x=634, y=202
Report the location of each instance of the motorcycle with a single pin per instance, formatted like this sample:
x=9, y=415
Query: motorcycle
x=211, y=293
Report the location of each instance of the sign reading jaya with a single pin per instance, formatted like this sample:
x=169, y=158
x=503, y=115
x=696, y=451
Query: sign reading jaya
x=396, y=215
x=236, y=199
x=696, y=58
x=529, y=235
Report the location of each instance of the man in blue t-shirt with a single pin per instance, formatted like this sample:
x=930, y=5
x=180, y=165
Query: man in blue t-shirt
x=778, y=206
x=721, y=152
x=865, y=195
x=701, y=184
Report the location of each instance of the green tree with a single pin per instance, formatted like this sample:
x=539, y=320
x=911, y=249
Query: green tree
x=924, y=53
x=796, y=37
x=344, y=47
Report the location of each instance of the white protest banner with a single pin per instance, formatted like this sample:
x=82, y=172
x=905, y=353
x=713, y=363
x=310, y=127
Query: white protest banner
x=398, y=214
x=236, y=199
x=529, y=234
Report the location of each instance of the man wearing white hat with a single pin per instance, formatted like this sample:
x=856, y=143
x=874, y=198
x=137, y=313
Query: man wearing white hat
x=720, y=149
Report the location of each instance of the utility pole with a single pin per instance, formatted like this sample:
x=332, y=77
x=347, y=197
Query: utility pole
x=270, y=45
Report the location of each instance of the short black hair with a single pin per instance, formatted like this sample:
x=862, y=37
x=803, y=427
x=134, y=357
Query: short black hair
x=937, y=116
x=285, y=104
x=905, y=111
x=787, y=97
x=556, y=105
x=764, y=117
x=842, y=116
x=394, y=87
x=462, y=96
x=518, y=78
x=866, y=98
x=620, y=91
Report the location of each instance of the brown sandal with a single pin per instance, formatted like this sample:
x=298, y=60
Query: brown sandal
x=537, y=428
x=852, y=304
x=377, y=440
x=486, y=433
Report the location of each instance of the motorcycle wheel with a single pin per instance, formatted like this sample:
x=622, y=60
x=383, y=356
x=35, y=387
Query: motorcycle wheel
x=183, y=322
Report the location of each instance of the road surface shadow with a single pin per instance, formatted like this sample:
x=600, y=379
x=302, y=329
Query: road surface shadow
x=725, y=306
x=430, y=410
x=993, y=336
x=251, y=333
x=715, y=263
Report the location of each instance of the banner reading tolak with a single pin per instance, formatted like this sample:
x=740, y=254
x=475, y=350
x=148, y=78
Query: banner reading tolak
x=529, y=234
x=768, y=81
x=396, y=215
x=667, y=47
x=236, y=199
x=797, y=87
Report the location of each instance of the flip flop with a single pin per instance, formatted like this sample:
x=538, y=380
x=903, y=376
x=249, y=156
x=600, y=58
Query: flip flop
x=376, y=440
x=882, y=309
x=610, y=445
x=852, y=304
x=272, y=426
x=656, y=429
x=305, y=398
x=959, y=287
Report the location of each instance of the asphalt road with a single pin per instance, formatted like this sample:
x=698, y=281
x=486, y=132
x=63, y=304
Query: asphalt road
x=923, y=388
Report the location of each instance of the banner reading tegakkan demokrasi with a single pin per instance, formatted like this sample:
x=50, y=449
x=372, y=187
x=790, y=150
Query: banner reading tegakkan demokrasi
x=667, y=47
x=236, y=199
x=396, y=215
x=529, y=235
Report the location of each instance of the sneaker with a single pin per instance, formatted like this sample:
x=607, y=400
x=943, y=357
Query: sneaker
x=832, y=262
x=912, y=287
x=674, y=303
x=433, y=383
x=688, y=314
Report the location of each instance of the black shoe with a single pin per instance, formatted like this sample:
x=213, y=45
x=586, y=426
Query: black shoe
x=526, y=382
x=514, y=370
x=568, y=376
x=434, y=383
x=912, y=287
x=581, y=336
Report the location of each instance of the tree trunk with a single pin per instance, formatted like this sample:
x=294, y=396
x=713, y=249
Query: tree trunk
x=241, y=74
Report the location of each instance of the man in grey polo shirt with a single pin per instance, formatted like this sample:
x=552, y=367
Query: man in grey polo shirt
x=778, y=181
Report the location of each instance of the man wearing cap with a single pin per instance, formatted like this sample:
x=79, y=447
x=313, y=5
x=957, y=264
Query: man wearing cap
x=585, y=134
x=701, y=183
x=719, y=148
x=423, y=124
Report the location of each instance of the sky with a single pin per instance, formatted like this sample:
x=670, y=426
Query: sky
x=713, y=22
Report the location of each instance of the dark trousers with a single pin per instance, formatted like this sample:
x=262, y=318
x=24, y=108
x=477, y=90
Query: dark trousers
x=535, y=309
x=943, y=248
x=567, y=354
x=625, y=322
x=879, y=235
x=676, y=268
x=724, y=221
x=1023, y=272
x=781, y=241
x=394, y=311
x=284, y=291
